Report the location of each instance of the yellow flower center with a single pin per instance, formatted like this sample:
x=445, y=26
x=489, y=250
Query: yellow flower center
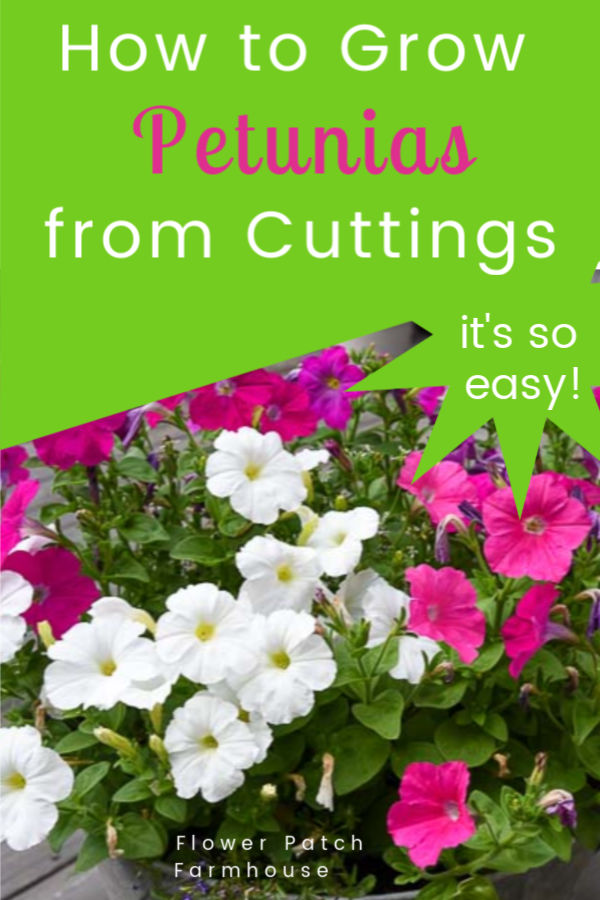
x=15, y=781
x=252, y=471
x=280, y=659
x=284, y=572
x=205, y=631
x=209, y=742
x=333, y=382
x=243, y=716
x=534, y=525
x=340, y=538
x=108, y=667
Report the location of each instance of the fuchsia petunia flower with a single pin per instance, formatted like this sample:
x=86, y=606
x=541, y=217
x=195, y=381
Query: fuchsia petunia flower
x=441, y=489
x=154, y=415
x=432, y=811
x=579, y=488
x=540, y=544
x=430, y=400
x=11, y=470
x=443, y=606
x=231, y=403
x=287, y=410
x=326, y=378
x=530, y=627
x=61, y=592
x=13, y=516
x=88, y=444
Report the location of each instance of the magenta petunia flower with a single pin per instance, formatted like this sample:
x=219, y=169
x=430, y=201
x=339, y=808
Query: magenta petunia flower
x=287, y=411
x=154, y=415
x=579, y=488
x=231, y=403
x=530, y=627
x=326, y=378
x=13, y=516
x=432, y=811
x=540, y=544
x=88, y=444
x=441, y=489
x=11, y=469
x=443, y=606
x=430, y=400
x=61, y=592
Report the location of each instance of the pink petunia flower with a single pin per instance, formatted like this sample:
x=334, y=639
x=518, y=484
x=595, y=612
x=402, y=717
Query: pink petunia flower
x=441, y=489
x=530, y=627
x=430, y=400
x=540, y=544
x=12, y=527
x=11, y=470
x=579, y=488
x=288, y=410
x=88, y=444
x=443, y=606
x=61, y=592
x=155, y=415
x=432, y=811
x=231, y=403
x=326, y=377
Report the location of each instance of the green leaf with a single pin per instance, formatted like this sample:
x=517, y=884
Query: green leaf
x=477, y=888
x=143, y=529
x=201, y=549
x=559, y=839
x=53, y=511
x=128, y=569
x=589, y=754
x=495, y=725
x=137, y=468
x=488, y=657
x=415, y=751
x=229, y=829
x=359, y=755
x=444, y=889
x=379, y=660
x=467, y=742
x=383, y=715
x=172, y=807
x=140, y=838
x=440, y=696
x=93, y=850
x=527, y=855
x=586, y=716
x=74, y=741
x=90, y=777
x=133, y=791
x=66, y=825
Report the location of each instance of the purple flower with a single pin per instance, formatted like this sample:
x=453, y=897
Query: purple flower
x=594, y=620
x=560, y=803
x=11, y=469
x=338, y=452
x=464, y=452
x=326, y=377
x=591, y=463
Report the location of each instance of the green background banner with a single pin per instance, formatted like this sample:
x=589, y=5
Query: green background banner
x=85, y=337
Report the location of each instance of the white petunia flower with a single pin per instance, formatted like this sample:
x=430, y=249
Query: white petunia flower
x=33, y=779
x=338, y=538
x=96, y=663
x=293, y=662
x=278, y=576
x=116, y=606
x=310, y=459
x=261, y=732
x=209, y=747
x=16, y=596
x=352, y=591
x=256, y=473
x=205, y=633
x=384, y=606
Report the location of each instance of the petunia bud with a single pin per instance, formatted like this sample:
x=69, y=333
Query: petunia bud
x=340, y=503
x=300, y=784
x=268, y=792
x=159, y=749
x=470, y=512
x=560, y=803
x=398, y=558
x=446, y=670
x=156, y=716
x=573, y=679
x=40, y=717
x=502, y=760
x=325, y=793
x=119, y=743
x=594, y=619
x=525, y=693
x=338, y=453
x=45, y=632
x=112, y=839
x=539, y=769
